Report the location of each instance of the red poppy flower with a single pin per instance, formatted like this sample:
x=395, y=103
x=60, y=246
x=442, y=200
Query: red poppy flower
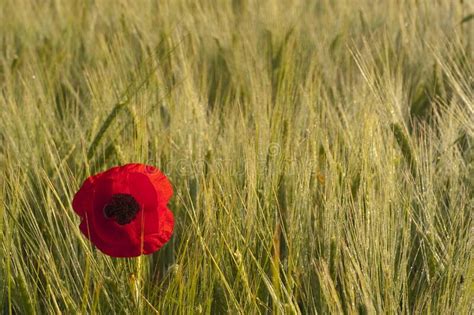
x=124, y=210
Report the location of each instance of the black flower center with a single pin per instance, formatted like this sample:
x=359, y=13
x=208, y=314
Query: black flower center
x=122, y=207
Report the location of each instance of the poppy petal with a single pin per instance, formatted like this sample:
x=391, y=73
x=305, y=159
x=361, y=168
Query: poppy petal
x=117, y=250
x=155, y=241
x=108, y=229
x=163, y=187
x=144, y=192
x=82, y=201
x=166, y=225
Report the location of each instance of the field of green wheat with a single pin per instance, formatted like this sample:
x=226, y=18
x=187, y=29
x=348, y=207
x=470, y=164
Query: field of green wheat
x=321, y=154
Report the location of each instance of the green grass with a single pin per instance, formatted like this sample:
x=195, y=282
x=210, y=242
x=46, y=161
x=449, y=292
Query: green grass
x=321, y=152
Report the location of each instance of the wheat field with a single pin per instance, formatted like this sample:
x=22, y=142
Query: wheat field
x=321, y=154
